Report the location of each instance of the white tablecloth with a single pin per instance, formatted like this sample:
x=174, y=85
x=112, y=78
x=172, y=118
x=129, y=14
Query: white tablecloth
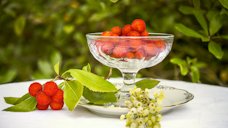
x=208, y=109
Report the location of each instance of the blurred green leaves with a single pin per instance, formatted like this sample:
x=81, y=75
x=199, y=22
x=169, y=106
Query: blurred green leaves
x=189, y=66
x=35, y=35
x=215, y=49
x=224, y=3
x=19, y=25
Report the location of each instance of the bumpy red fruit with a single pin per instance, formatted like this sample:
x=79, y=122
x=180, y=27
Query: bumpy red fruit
x=138, y=25
x=107, y=48
x=50, y=88
x=116, y=31
x=58, y=97
x=106, y=33
x=126, y=29
x=133, y=33
x=119, y=51
x=42, y=107
x=140, y=54
x=42, y=98
x=130, y=55
x=144, y=33
x=34, y=88
x=150, y=49
x=56, y=105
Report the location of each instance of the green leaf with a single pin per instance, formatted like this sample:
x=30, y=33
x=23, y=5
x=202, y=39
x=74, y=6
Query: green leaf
x=186, y=10
x=68, y=29
x=87, y=68
x=215, y=24
x=92, y=81
x=187, y=31
x=195, y=75
x=19, y=25
x=147, y=83
x=114, y=1
x=224, y=3
x=99, y=97
x=215, y=49
x=72, y=93
x=27, y=105
x=8, y=76
x=201, y=19
x=182, y=64
x=11, y=100
x=55, y=57
x=224, y=37
x=57, y=67
x=45, y=67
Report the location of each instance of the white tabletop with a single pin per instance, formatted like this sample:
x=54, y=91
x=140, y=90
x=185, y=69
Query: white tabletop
x=208, y=109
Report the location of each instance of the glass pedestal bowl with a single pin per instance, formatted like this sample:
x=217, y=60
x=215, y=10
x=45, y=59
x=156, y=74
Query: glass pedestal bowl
x=129, y=54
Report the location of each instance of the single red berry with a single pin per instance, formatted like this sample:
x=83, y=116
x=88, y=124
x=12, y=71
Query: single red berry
x=145, y=33
x=150, y=49
x=114, y=34
x=58, y=97
x=107, y=48
x=42, y=98
x=116, y=30
x=138, y=25
x=133, y=33
x=50, y=88
x=119, y=51
x=34, y=88
x=126, y=29
x=42, y=107
x=140, y=54
x=135, y=44
x=160, y=44
x=107, y=33
x=130, y=55
x=56, y=105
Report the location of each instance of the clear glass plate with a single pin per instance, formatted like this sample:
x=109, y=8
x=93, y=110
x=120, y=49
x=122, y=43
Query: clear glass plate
x=173, y=97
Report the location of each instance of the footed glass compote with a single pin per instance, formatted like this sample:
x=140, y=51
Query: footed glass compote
x=129, y=54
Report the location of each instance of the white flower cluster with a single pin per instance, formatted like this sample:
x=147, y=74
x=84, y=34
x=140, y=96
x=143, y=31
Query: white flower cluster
x=144, y=112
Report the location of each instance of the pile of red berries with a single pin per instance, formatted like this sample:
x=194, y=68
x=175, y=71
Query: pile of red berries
x=131, y=48
x=48, y=94
x=136, y=28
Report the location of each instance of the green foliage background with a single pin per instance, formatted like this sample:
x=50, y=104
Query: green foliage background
x=35, y=34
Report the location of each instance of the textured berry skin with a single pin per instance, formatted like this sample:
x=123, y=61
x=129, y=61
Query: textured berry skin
x=42, y=98
x=130, y=55
x=150, y=49
x=34, y=88
x=160, y=44
x=106, y=33
x=126, y=29
x=133, y=33
x=56, y=105
x=140, y=54
x=107, y=48
x=58, y=97
x=50, y=88
x=138, y=25
x=119, y=51
x=116, y=30
x=42, y=107
x=145, y=33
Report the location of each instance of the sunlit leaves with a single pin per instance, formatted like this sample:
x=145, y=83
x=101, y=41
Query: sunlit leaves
x=182, y=64
x=72, y=93
x=215, y=49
